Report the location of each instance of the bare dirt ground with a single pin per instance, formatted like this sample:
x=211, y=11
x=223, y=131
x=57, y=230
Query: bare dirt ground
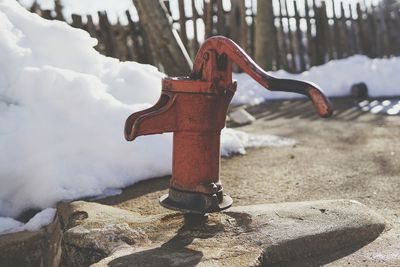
x=353, y=155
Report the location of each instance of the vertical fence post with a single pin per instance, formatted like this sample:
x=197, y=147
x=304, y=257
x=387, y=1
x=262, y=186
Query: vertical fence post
x=293, y=66
x=182, y=24
x=264, y=34
x=361, y=35
x=221, y=25
x=195, y=43
x=299, y=36
x=165, y=42
x=208, y=14
x=310, y=41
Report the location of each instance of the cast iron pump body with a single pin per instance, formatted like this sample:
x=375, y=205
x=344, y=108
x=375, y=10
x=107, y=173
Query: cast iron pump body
x=194, y=108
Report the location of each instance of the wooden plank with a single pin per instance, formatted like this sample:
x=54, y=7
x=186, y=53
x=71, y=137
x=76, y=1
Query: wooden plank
x=353, y=33
x=58, y=9
x=327, y=32
x=106, y=34
x=195, y=42
x=208, y=18
x=283, y=42
x=310, y=40
x=395, y=31
x=35, y=8
x=90, y=27
x=392, y=23
x=136, y=50
x=238, y=30
x=277, y=55
x=293, y=67
x=47, y=14
x=221, y=24
x=320, y=36
x=264, y=36
x=251, y=32
x=372, y=33
x=345, y=44
x=170, y=55
x=77, y=21
x=337, y=32
x=182, y=23
x=299, y=37
x=361, y=32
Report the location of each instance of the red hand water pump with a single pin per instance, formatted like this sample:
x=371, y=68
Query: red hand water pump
x=194, y=108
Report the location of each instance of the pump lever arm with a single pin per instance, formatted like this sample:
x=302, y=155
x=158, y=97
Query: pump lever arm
x=223, y=45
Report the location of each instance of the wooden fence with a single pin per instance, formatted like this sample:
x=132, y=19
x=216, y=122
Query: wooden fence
x=303, y=37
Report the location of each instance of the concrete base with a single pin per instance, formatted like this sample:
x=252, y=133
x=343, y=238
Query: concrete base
x=300, y=233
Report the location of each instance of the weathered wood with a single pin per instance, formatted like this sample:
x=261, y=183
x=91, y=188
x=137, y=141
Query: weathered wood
x=76, y=21
x=277, y=56
x=195, y=42
x=208, y=14
x=361, y=35
x=221, y=26
x=35, y=8
x=373, y=31
x=345, y=44
x=47, y=14
x=106, y=34
x=372, y=34
x=311, y=53
x=293, y=65
x=182, y=24
x=282, y=47
x=252, y=32
x=136, y=49
x=320, y=35
x=171, y=54
x=264, y=35
x=328, y=30
x=119, y=37
x=353, y=36
x=299, y=37
x=337, y=37
x=237, y=23
x=58, y=9
x=90, y=27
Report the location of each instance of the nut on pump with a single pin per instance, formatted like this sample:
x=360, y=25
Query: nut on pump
x=194, y=108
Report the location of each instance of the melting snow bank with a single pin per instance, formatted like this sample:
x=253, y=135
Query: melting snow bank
x=62, y=111
x=43, y=218
x=335, y=78
x=235, y=142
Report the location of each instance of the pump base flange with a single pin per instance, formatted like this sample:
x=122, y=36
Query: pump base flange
x=192, y=202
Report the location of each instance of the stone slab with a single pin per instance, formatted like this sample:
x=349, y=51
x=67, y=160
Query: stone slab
x=298, y=233
x=32, y=248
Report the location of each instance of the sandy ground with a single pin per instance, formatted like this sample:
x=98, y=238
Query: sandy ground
x=353, y=155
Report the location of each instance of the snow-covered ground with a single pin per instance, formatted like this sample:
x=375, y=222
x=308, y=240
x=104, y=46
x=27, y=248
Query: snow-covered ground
x=10, y=225
x=62, y=112
x=335, y=78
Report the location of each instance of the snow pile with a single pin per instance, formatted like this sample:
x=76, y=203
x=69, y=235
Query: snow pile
x=335, y=78
x=62, y=112
x=9, y=225
x=235, y=142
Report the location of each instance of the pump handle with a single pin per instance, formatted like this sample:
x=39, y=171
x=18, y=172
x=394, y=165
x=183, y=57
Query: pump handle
x=223, y=45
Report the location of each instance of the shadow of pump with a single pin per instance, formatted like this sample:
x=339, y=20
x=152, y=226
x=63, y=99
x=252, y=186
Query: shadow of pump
x=175, y=252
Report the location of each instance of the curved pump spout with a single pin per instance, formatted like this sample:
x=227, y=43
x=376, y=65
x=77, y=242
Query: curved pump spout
x=154, y=120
